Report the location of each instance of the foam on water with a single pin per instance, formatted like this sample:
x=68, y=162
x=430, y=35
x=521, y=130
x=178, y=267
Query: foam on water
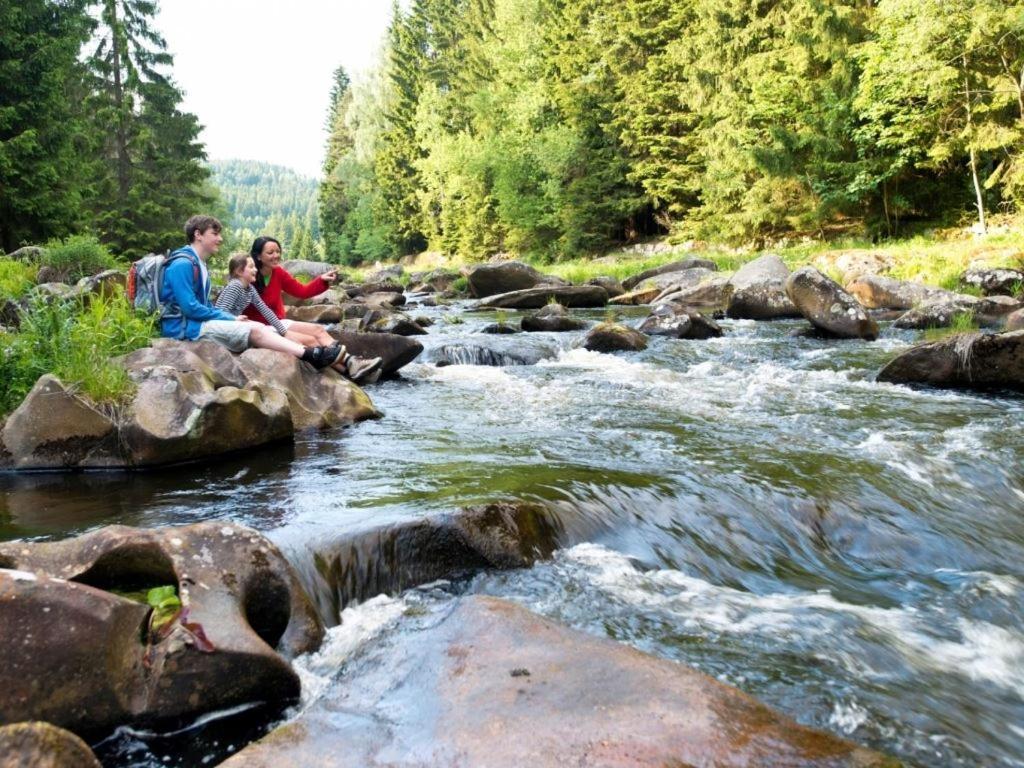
x=981, y=651
x=359, y=625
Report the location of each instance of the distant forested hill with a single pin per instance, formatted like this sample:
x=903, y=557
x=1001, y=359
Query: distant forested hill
x=265, y=199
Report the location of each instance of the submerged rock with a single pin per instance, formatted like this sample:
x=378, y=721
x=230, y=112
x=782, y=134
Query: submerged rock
x=613, y=337
x=499, y=329
x=534, y=298
x=759, y=290
x=393, y=558
x=489, y=354
x=243, y=614
x=42, y=745
x=490, y=683
x=828, y=307
x=965, y=360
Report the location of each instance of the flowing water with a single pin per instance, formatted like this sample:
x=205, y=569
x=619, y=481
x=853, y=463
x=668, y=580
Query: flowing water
x=756, y=506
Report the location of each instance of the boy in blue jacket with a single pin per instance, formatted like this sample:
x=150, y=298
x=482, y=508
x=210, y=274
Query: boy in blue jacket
x=188, y=314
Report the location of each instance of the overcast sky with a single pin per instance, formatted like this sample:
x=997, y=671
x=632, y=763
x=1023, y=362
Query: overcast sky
x=258, y=74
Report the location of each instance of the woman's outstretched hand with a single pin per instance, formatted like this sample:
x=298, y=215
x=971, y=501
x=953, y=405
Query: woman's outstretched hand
x=330, y=276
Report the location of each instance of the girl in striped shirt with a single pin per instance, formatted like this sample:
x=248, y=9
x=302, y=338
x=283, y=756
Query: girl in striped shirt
x=239, y=294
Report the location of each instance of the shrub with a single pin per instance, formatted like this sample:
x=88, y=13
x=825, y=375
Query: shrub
x=75, y=342
x=76, y=257
x=460, y=284
x=16, y=278
x=963, y=322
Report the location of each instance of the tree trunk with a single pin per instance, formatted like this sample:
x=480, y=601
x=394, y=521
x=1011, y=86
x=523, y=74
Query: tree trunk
x=974, y=158
x=117, y=54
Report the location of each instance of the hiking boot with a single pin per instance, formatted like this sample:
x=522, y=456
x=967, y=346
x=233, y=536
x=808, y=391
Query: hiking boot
x=361, y=368
x=321, y=357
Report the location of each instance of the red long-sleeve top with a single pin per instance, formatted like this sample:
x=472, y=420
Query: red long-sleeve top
x=282, y=282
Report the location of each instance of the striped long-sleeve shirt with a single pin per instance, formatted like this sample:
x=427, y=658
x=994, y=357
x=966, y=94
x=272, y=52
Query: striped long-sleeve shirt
x=236, y=296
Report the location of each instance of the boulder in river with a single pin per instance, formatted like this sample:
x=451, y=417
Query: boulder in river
x=942, y=312
x=95, y=659
x=490, y=683
x=995, y=282
x=394, y=351
x=314, y=313
x=493, y=353
x=650, y=289
x=1015, y=321
x=614, y=337
x=877, y=292
x=828, y=307
x=676, y=266
x=611, y=286
x=503, y=277
x=392, y=558
x=963, y=361
x=679, y=322
x=383, y=320
x=43, y=745
x=534, y=298
x=552, y=318
x=759, y=290
x=306, y=268
x=712, y=295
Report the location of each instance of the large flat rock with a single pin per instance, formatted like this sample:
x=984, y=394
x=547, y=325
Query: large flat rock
x=492, y=684
x=535, y=298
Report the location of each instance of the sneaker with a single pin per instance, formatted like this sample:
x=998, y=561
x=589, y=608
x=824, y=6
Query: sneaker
x=321, y=357
x=361, y=368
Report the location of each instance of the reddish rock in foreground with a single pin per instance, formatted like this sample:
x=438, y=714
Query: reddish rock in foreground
x=492, y=684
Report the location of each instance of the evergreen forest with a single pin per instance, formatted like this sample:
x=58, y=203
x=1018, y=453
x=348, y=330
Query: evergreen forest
x=93, y=140
x=556, y=129
x=264, y=199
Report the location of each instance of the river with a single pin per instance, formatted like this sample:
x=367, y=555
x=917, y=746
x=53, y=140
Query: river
x=756, y=506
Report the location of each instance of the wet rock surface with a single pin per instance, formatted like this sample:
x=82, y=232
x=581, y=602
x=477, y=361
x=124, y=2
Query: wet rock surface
x=614, y=337
x=95, y=663
x=552, y=318
x=451, y=546
x=650, y=289
x=42, y=745
x=966, y=360
x=490, y=683
x=679, y=322
x=828, y=307
x=712, y=294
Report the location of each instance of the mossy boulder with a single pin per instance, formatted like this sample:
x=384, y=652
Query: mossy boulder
x=613, y=337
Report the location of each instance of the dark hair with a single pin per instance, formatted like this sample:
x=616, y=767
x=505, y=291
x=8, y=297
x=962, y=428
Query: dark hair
x=237, y=262
x=200, y=224
x=257, y=256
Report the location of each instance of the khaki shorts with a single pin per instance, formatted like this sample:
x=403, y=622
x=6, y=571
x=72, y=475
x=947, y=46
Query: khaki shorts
x=233, y=334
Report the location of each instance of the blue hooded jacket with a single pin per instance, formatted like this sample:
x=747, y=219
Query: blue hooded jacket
x=187, y=298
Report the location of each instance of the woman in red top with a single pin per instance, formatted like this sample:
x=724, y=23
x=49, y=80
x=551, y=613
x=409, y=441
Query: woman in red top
x=272, y=281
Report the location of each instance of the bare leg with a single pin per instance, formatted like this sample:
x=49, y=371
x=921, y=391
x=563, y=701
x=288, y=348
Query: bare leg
x=315, y=330
x=266, y=337
x=305, y=339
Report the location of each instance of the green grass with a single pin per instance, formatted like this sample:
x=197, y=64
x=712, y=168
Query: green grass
x=77, y=257
x=16, y=278
x=75, y=342
x=963, y=322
